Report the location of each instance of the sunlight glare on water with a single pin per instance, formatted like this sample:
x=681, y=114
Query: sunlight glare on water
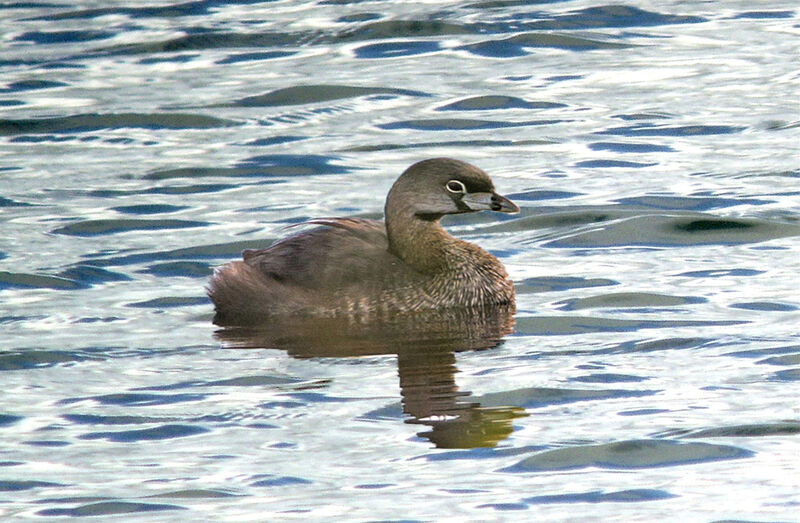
x=651, y=369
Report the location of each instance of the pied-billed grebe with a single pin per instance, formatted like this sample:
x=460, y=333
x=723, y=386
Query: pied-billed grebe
x=354, y=266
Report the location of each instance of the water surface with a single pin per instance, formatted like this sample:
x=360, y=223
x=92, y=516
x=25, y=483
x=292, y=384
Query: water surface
x=651, y=369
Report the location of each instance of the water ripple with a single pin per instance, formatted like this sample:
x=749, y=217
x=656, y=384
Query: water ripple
x=516, y=46
x=396, y=49
x=307, y=94
x=678, y=231
x=21, y=280
x=628, y=455
x=30, y=85
x=108, y=508
x=674, y=130
x=495, y=102
x=748, y=431
x=605, y=17
x=570, y=325
x=174, y=10
x=538, y=397
x=8, y=419
x=110, y=226
x=137, y=399
x=59, y=37
x=629, y=300
x=460, y=124
x=597, y=496
x=152, y=434
x=16, y=486
x=82, y=123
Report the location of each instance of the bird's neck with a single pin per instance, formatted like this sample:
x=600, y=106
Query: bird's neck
x=421, y=243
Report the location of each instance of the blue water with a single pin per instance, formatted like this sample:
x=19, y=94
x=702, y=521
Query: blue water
x=653, y=369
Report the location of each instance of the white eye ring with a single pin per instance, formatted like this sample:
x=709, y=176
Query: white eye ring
x=456, y=187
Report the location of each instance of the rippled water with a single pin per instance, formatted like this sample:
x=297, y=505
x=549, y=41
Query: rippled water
x=654, y=365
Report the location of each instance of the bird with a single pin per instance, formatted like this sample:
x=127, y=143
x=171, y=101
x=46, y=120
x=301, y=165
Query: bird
x=348, y=267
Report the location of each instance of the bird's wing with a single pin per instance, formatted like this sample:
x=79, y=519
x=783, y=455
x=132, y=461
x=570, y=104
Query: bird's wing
x=345, y=251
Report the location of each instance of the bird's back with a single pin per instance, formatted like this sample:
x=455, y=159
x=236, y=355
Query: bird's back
x=341, y=268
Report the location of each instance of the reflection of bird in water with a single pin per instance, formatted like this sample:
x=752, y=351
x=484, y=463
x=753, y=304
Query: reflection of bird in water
x=431, y=397
x=364, y=267
x=425, y=344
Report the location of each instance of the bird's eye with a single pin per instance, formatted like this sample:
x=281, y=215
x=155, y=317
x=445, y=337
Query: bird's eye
x=455, y=186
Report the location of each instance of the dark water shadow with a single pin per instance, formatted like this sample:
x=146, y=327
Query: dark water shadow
x=627, y=455
x=646, y=223
x=308, y=94
x=109, y=508
x=425, y=345
x=82, y=123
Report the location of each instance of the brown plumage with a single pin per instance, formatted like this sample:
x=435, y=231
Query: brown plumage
x=353, y=266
